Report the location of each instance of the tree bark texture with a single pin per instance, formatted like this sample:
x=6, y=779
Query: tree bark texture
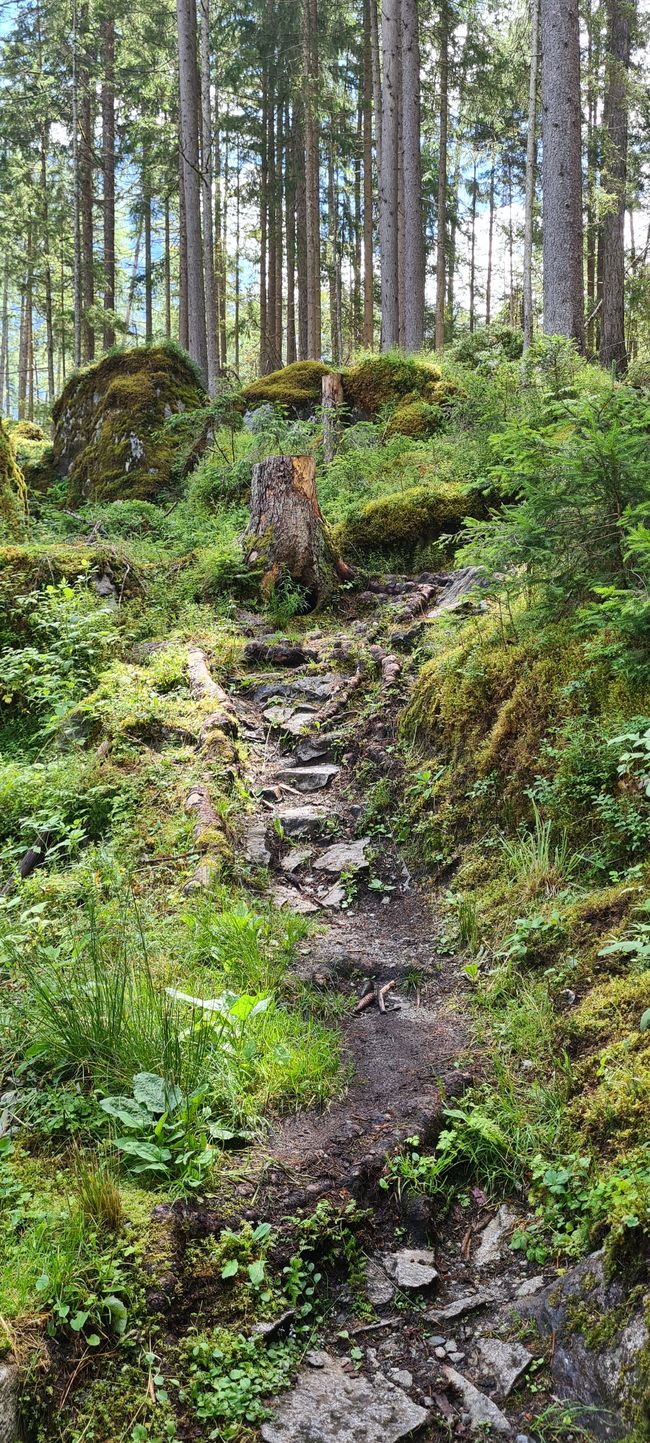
x=286, y=534
x=413, y=257
x=562, y=170
x=86, y=148
x=442, y=177
x=312, y=178
x=368, y=278
x=620, y=15
x=531, y=158
x=332, y=396
x=212, y=340
x=108, y=167
x=189, y=138
x=389, y=175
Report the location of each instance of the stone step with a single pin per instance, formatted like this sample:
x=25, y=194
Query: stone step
x=303, y=821
x=308, y=779
x=344, y=857
x=318, y=688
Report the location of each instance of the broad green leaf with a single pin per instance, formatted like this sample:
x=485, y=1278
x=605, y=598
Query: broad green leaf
x=118, y=1314
x=127, y=1110
x=154, y=1093
x=256, y=1272
x=230, y=1268
x=645, y=1021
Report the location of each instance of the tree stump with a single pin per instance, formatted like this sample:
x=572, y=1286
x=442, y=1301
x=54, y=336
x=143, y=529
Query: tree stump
x=287, y=535
x=332, y=397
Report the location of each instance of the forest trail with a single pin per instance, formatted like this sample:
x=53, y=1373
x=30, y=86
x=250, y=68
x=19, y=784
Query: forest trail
x=426, y=1365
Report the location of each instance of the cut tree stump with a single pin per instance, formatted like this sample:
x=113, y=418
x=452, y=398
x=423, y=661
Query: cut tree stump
x=287, y=535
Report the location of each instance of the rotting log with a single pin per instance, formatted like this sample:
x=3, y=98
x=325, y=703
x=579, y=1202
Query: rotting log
x=287, y=535
x=332, y=398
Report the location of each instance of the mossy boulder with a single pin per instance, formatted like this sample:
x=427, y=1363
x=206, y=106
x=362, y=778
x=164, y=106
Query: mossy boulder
x=386, y=380
x=296, y=387
x=12, y=489
x=415, y=419
x=399, y=523
x=109, y=437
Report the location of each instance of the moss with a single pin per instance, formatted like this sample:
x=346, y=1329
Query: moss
x=30, y=430
x=13, y=496
x=109, y=436
x=382, y=380
x=401, y=522
x=415, y=418
x=297, y=386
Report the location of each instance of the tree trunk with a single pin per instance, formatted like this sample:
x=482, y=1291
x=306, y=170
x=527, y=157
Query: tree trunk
x=189, y=138
x=264, y=189
x=472, y=260
x=368, y=278
x=375, y=67
x=279, y=237
x=593, y=87
x=332, y=394
x=442, y=177
x=620, y=15
x=4, y=341
x=562, y=189
x=168, y=273
x=290, y=218
x=301, y=237
x=356, y=226
x=312, y=178
x=212, y=343
x=531, y=157
x=222, y=253
x=273, y=362
x=183, y=320
x=134, y=274
x=413, y=258
x=389, y=175
x=148, y=288
x=77, y=305
x=108, y=166
x=237, y=255
x=488, y=279
x=286, y=534
x=86, y=149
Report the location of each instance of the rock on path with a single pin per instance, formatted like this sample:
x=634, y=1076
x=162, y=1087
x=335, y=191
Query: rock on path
x=327, y=1405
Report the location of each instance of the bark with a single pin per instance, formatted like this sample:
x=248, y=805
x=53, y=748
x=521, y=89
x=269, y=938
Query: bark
x=356, y=228
x=413, y=256
x=108, y=167
x=237, y=256
x=212, y=342
x=22, y=357
x=4, y=341
x=389, y=175
x=531, y=158
x=222, y=253
x=593, y=68
x=134, y=273
x=301, y=239
x=376, y=79
x=279, y=234
x=472, y=262
x=86, y=201
x=562, y=189
x=488, y=280
x=290, y=218
x=312, y=178
x=189, y=139
x=368, y=278
x=168, y=273
x=183, y=320
x=148, y=290
x=332, y=393
x=286, y=534
x=442, y=177
x=620, y=14
x=76, y=201
x=273, y=362
x=333, y=266
x=264, y=180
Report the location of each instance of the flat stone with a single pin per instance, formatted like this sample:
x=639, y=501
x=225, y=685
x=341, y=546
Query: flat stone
x=494, y=1238
x=379, y=1287
x=456, y=1357
x=295, y=858
x=302, y=821
x=505, y=1362
x=296, y=724
x=530, y=1286
x=401, y=1376
x=468, y=1304
x=9, y=1427
x=335, y=897
x=287, y=897
x=328, y=1405
x=312, y=749
x=344, y=857
x=319, y=688
x=412, y=1268
x=255, y=847
x=308, y=779
x=482, y=1412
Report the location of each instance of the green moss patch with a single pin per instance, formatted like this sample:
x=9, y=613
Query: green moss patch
x=402, y=522
x=297, y=386
x=12, y=488
x=383, y=380
x=109, y=437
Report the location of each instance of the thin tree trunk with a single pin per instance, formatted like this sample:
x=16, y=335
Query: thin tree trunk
x=22, y=354
x=442, y=177
x=472, y=262
x=108, y=165
x=562, y=150
x=356, y=227
x=212, y=343
x=76, y=204
x=86, y=189
x=272, y=235
x=134, y=273
x=4, y=340
x=593, y=67
x=375, y=66
x=189, y=138
x=148, y=296
x=531, y=158
x=168, y=273
x=312, y=178
x=488, y=280
x=368, y=278
x=290, y=220
x=301, y=237
x=237, y=256
x=183, y=320
x=620, y=15
x=223, y=256
x=264, y=189
x=413, y=258
x=279, y=198
x=332, y=247
x=389, y=175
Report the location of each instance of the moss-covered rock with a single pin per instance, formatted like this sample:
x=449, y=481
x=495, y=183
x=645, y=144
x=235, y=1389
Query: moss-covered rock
x=12, y=489
x=386, y=379
x=415, y=418
x=298, y=387
x=398, y=524
x=30, y=430
x=108, y=423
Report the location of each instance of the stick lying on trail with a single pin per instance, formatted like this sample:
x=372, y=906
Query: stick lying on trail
x=372, y=992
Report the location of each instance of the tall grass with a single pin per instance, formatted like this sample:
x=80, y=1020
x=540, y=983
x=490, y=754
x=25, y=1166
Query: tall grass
x=540, y=858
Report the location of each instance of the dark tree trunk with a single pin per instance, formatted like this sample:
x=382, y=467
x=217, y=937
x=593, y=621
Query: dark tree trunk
x=168, y=273
x=301, y=238
x=389, y=175
x=290, y=216
x=412, y=261
x=312, y=178
x=488, y=281
x=332, y=395
x=368, y=278
x=531, y=161
x=562, y=161
x=189, y=138
x=86, y=195
x=620, y=15
x=183, y=322
x=442, y=178
x=148, y=288
x=286, y=534
x=108, y=165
